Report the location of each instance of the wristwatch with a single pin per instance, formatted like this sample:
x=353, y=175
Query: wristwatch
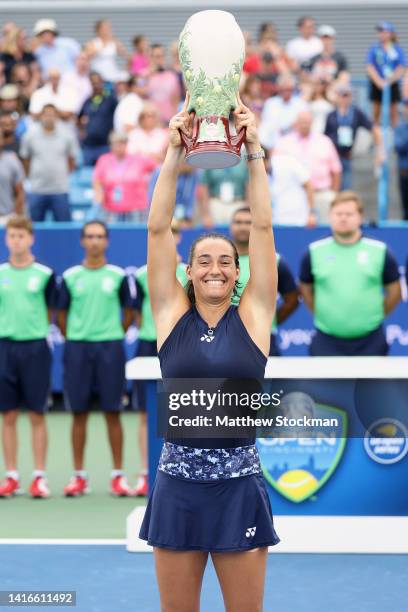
x=259, y=155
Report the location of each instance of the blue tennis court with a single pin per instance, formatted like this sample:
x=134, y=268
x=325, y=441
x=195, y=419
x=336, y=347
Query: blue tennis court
x=108, y=579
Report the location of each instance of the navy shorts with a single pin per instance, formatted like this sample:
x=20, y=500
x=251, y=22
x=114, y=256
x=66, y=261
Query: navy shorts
x=94, y=368
x=221, y=516
x=374, y=344
x=145, y=348
x=25, y=372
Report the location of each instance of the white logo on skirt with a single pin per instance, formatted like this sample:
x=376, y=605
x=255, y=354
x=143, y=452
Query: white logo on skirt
x=250, y=532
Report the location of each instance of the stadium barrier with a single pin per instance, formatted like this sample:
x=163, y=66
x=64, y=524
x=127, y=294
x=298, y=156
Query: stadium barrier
x=346, y=494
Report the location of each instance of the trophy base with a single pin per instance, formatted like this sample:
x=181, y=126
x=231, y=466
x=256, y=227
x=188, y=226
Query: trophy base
x=212, y=155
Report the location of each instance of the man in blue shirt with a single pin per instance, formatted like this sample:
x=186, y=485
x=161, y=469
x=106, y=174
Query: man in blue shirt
x=386, y=65
x=96, y=120
x=341, y=127
x=401, y=147
x=54, y=51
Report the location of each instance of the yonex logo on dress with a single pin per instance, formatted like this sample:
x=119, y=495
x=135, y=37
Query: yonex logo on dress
x=207, y=338
x=250, y=532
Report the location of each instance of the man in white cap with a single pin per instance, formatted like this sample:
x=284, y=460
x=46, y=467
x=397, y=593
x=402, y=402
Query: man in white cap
x=54, y=51
x=329, y=63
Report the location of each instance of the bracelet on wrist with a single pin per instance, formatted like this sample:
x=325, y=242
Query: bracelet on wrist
x=252, y=156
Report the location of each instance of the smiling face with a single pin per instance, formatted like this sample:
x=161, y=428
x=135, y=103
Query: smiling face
x=213, y=271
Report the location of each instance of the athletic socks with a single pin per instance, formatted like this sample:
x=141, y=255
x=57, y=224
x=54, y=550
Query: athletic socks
x=116, y=473
x=81, y=474
x=38, y=474
x=13, y=474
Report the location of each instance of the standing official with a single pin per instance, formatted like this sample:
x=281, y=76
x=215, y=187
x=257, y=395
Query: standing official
x=350, y=283
x=240, y=230
x=92, y=297
x=147, y=347
x=27, y=291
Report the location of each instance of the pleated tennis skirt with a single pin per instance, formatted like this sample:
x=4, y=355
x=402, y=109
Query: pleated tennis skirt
x=226, y=515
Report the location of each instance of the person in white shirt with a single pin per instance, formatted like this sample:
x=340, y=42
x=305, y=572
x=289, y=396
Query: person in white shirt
x=104, y=51
x=53, y=92
x=128, y=110
x=302, y=48
x=78, y=80
x=291, y=190
x=280, y=112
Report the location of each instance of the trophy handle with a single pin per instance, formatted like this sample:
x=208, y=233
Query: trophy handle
x=238, y=140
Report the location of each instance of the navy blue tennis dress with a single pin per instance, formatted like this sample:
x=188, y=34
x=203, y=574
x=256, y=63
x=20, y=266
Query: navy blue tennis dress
x=210, y=495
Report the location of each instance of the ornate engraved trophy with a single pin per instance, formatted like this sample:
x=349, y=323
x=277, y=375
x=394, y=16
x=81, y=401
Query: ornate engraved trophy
x=211, y=51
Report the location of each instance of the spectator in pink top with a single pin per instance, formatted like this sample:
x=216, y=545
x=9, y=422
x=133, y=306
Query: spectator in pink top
x=140, y=61
x=163, y=85
x=149, y=138
x=120, y=182
x=320, y=157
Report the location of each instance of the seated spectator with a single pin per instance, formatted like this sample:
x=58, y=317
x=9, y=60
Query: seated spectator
x=251, y=95
x=305, y=46
x=78, y=80
x=55, y=93
x=291, y=190
x=52, y=50
x=49, y=150
x=128, y=110
x=121, y=85
x=341, y=127
x=15, y=50
x=12, y=102
x=27, y=81
x=176, y=67
x=222, y=192
x=120, y=182
x=187, y=181
x=320, y=157
x=320, y=104
x=252, y=63
x=386, y=65
x=140, y=60
x=8, y=125
x=280, y=112
x=163, y=86
x=104, y=50
x=330, y=63
x=11, y=183
x=149, y=138
x=401, y=147
x=96, y=121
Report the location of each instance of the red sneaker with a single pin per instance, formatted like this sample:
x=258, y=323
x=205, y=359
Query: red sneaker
x=39, y=488
x=77, y=486
x=142, y=486
x=9, y=487
x=119, y=487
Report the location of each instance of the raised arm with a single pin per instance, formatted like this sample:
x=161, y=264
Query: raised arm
x=168, y=299
x=258, y=301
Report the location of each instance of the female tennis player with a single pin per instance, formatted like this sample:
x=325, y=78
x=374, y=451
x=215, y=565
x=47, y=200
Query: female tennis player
x=209, y=496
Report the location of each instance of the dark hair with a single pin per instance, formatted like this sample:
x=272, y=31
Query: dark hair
x=138, y=39
x=156, y=46
x=94, y=222
x=189, y=288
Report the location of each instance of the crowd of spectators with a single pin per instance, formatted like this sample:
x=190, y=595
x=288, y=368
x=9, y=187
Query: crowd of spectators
x=107, y=106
